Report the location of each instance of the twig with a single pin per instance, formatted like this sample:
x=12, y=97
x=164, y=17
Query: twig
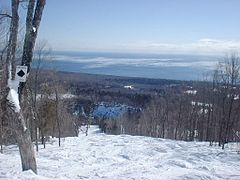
x=3, y=15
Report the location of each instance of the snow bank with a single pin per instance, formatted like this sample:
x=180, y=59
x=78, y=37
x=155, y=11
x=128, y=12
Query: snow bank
x=101, y=156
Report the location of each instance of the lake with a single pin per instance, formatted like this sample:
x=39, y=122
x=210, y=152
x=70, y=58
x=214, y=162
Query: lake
x=162, y=66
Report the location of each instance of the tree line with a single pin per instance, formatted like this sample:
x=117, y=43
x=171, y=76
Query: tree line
x=208, y=111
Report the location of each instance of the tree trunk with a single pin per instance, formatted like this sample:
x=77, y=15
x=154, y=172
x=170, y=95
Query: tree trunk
x=25, y=144
x=57, y=118
x=1, y=137
x=32, y=25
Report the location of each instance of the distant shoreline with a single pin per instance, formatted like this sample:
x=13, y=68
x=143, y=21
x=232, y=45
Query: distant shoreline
x=177, y=67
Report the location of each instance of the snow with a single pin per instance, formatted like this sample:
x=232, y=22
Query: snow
x=61, y=96
x=236, y=97
x=67, y=96
x=203, y=111
x=129, y=87
x=200, y=104
x=34, y=29
x=194, y=92
x=13, y=95
x=13, y=98
x=110, y=110
x=101, y=156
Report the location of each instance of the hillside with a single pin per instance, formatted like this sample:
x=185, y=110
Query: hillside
x=101, y=156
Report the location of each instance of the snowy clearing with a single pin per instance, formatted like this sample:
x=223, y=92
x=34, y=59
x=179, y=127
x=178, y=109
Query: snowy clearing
x=101, y=156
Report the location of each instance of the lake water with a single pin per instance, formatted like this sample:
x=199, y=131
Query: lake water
x=164, y=66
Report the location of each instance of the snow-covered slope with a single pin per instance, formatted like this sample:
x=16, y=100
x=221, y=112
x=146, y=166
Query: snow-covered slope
x=101, y=156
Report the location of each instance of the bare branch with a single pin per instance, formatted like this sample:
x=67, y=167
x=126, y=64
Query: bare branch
x=5, y=15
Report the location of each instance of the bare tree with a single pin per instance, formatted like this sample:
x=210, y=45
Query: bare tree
x=41, y=55
x=227, y=77
x=34, y=14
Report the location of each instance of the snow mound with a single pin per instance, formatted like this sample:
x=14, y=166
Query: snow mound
x=101, y=156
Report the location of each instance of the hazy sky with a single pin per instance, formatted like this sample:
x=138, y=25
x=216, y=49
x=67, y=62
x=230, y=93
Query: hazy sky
x=159, y=26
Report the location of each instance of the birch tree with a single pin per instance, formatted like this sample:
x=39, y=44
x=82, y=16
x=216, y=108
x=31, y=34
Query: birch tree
x=14, y=90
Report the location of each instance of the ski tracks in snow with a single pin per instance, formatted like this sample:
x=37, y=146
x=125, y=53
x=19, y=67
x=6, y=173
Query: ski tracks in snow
x=101, y=156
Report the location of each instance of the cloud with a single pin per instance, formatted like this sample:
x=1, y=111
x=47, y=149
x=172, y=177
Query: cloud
x=150, y=62
x=202, y=46
x=219, y=45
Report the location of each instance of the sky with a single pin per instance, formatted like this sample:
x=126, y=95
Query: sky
x=149, y=26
